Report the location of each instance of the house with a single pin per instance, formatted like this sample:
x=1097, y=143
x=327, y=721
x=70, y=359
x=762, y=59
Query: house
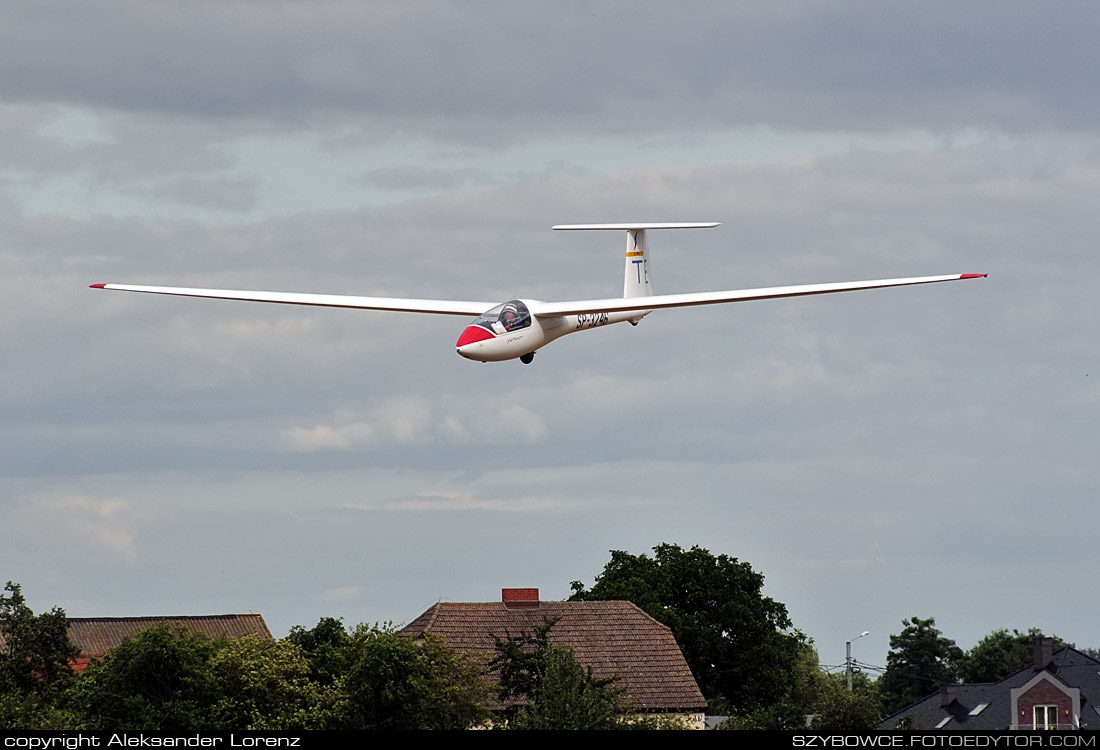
x=616, y=638
x=1056, y=691
x=95, y=636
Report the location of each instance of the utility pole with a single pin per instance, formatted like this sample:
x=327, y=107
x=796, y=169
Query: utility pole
x=848, y=657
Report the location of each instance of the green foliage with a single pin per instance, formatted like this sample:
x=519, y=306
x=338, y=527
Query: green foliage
x=172, y=680
x=169, y=679
x=161, y=679
x=34, y=665
x=921, y=659
x=1001, y=654
x=266, y=685
x=838, y=710
x=781, y=716
x=569, y=697
x=394, y=682
x=790, y=711
x=328, y=647
x=817, y=701
x=36, y=711
x=37, y=649
x=545, y=687
x=738, y=643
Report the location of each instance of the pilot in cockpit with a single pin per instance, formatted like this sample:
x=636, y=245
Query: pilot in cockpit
x=509, y=320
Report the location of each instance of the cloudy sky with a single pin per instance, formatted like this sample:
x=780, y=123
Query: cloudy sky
x=925, y=451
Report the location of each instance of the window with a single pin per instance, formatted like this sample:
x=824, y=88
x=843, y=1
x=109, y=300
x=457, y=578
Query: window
x=978, y=709
x=1046, y=717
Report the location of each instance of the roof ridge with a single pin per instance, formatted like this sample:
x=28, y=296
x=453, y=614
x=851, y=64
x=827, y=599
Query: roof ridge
x=160, y=617
x=434, y=609
x=644, y=613
x=1078, y=651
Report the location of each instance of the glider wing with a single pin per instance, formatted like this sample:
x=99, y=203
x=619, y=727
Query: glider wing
x=437, y=306
x=659, y=301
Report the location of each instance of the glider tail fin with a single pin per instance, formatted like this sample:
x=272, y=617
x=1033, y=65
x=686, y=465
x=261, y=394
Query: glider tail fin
x=638, y=275
x=636, y=279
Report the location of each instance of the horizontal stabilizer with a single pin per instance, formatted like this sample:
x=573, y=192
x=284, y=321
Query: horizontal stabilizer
x=641, y=225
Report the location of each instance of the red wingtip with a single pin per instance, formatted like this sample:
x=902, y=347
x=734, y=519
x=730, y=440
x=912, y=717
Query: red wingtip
x=98, y=286
x=973, y=275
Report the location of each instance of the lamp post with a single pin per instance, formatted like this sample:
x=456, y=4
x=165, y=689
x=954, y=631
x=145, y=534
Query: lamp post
x=848, y=657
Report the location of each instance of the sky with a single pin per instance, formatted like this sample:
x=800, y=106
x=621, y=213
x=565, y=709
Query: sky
x=927, y=451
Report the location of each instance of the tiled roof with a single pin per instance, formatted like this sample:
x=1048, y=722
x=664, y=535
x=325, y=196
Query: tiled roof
x=615, y=638
x=95, y=636
x=98, y=635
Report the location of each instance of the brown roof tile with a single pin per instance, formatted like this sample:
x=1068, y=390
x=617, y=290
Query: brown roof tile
x=98, y=635
x=616, y=638
x=95, y=636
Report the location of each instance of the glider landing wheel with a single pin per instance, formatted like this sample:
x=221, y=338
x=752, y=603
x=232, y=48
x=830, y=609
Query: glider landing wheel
x=527, y=358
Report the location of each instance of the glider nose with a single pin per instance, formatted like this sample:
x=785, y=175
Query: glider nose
x=472, y=335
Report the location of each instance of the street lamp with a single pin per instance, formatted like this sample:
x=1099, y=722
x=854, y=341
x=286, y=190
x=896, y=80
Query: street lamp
x=848, y=656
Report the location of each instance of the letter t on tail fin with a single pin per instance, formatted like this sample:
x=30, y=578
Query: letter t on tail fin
x=636, y=279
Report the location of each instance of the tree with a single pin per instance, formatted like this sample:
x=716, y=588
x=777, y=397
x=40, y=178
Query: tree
x=545, y=687
x=921, y=659
x=793, y=710
x=34, y=664
x=837, y=709
x=395, y=682
x=1001, y=654
x=172, y=680
x=739, y=644
x=265, y=684
x=815, y=700
x=37, y=649
x=327, y=646
x=161, y=679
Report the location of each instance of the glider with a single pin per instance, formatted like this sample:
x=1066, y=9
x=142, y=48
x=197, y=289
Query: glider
x=520, y=327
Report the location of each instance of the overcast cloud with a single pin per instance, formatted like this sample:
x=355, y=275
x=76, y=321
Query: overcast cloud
x=926, y=451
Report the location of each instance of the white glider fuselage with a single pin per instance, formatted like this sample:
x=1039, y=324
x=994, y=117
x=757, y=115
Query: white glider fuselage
x=495, y=337
x=518, y=328
x=483, y=342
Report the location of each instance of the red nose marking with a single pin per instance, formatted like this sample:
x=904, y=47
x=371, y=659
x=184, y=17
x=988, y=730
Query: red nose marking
x=472, y=335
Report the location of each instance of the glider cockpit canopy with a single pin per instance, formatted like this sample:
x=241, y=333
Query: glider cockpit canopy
x=506, y=317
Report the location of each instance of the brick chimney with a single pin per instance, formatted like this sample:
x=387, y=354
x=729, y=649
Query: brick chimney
x=520, y=598
x=1042, y=650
